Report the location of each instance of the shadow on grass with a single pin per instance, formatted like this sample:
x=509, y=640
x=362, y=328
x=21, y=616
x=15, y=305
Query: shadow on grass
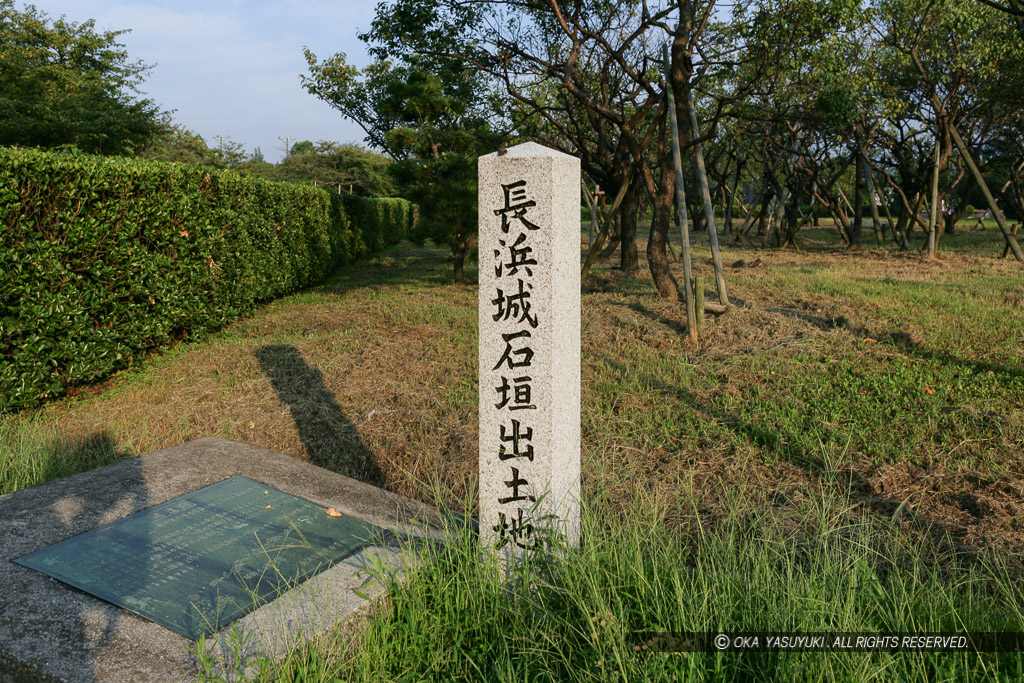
x=330, y=439
x=677, y=327
x=405, y=264
x=857, y=488
x=904, y=342
x=898, y=340
x=822, y=323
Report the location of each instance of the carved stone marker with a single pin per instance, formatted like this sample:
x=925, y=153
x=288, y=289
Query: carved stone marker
x=529, y=325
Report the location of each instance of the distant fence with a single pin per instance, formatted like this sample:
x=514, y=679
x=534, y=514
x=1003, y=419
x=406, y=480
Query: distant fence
x=104, y=259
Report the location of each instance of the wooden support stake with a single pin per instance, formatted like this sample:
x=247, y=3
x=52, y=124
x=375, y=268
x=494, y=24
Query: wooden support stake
x=709, y=207
x=684, y=225
x=979, y=180
x=592, y=205
x=934, y=212
x=608, y=219
x=698, y=299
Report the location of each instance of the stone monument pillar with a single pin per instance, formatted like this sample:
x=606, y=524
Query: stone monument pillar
x=529, y=324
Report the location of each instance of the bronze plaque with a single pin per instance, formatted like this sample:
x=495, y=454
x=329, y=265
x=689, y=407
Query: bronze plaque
x=196, y=563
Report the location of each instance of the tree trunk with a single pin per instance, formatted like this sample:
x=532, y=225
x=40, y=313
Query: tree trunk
x=903, y=223
x=608, y=218
x=762, y=218
x=899, y=238
x=629, y=259
x=459, y=251
x=835, y=209
x=657, y=259
x=780, y=209
x=748, y=221
x=842, y=225
x=915, y=216
x=680, y=197
x=869, y=185
x=858, y=206
x=950, y=219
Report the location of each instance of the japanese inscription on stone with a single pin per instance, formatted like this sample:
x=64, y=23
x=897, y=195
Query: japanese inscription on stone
x=529, y=347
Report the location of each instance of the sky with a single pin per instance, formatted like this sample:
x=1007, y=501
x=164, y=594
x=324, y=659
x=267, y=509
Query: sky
x=231, y=67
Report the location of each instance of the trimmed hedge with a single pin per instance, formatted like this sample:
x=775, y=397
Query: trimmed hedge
x=104, y=259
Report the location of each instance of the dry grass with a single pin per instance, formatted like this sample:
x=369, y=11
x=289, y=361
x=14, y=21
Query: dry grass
x=374, y=376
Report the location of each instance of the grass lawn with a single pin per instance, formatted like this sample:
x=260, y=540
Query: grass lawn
x=843, y=451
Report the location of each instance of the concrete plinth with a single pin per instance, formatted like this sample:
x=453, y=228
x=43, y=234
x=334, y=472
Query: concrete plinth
x=52, y=632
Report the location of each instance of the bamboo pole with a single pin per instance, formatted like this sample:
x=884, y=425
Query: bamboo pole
x=979, y=179
x=1006, y=249
x=933, y=211
x=698, y=291
x=709, y=207
x=684, y=226
x=593, y=211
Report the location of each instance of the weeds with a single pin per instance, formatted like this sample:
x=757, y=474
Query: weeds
x=842, y=451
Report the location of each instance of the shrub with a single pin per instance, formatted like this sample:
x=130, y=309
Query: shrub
x=105, y=259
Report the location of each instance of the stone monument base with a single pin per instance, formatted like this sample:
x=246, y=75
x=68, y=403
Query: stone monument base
x=51, y=631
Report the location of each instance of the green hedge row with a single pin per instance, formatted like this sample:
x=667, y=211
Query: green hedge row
x=104, y=259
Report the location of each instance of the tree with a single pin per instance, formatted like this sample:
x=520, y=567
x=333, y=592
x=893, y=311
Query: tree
x=65, y=84
x=178, y=144
x=589, y=70
x=358, y=95
x=439, y=140
x=584, y=69
x=1014, y=8
x=343, y=167
x=301, y=147
x=175, y=143
x=961, y=58
x=432, y=116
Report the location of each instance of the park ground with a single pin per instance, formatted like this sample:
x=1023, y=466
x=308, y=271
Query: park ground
x=881, y=388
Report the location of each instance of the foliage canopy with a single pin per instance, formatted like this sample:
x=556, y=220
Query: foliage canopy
x=63, y=84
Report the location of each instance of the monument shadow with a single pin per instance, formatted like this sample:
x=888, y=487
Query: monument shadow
x=330, y=439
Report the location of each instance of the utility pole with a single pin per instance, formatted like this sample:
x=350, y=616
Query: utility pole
x=286, y=140
x=221, y=139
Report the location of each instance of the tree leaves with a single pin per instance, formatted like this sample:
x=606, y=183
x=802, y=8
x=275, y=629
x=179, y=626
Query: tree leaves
x=63, y=84
x=106, y=259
